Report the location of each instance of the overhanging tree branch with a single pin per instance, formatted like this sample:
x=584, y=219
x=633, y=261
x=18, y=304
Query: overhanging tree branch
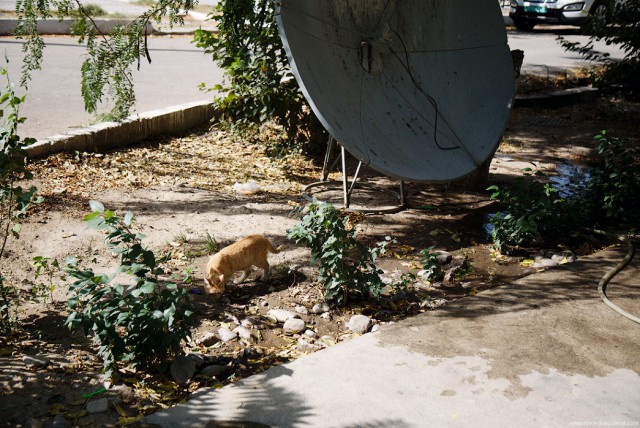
x=110, y=56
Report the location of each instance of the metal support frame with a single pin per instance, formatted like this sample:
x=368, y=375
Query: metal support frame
x=348, y=188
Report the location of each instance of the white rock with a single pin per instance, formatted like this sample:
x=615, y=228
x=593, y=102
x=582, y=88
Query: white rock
x=564, y=257
x=375, y=328
x=310, y=333
x=542, y=262
x=294, y=325
x=242, y=332
x=226, y=335
x=305, y=346
x=302, y=310
x=359, y=324
x=249, y=322
x=320, y=308
x=282, y=315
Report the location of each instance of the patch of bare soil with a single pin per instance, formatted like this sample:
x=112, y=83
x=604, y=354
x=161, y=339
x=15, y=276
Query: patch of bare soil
x=181, y=191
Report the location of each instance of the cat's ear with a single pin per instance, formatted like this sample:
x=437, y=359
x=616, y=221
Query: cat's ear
x=221, y=277
x=206, y=281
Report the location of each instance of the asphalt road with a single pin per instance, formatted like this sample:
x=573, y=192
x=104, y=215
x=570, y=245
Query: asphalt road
x=54, y=104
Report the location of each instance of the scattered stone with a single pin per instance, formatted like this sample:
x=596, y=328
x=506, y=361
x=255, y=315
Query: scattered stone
x=443, y=257
x=209, y=339
x=431, y=304
x=543, y=262
x=375, y=328
x=305, y=346
x=302, y=310
x=213, y=371
x=564, y=257
x=310, y=333
x=182, y=369
x=232, y=318
x=242, y=332
x=294, y=325
x=326, y=316
x=249, y=322
x=282, y=315
x=455, y=265
x=198, y=359
x=359, y=324
x=250, y=352
x=98, y=406
x=226, y=335
x=320, y=308
x=35, y=362
x=60, y=421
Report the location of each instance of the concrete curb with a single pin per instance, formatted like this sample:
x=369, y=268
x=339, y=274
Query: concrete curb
x=112, y=135
x=63, y=26
x=557, y=98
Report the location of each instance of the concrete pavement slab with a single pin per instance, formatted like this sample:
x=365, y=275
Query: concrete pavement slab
x=543, y=351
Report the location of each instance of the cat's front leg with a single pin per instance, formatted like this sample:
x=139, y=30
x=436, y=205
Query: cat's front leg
x=243, y=276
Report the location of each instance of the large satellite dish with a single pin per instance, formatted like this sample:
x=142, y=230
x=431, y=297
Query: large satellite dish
x=420, y=90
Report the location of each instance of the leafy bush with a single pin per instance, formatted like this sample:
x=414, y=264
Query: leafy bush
x=346, y=265
x=620, y=27
x=14, y=200
x=142, y=322
x=258, y=83
x=614, y=189
x=533, y=212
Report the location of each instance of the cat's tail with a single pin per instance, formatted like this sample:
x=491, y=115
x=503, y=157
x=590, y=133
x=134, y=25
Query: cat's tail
x=275, y=250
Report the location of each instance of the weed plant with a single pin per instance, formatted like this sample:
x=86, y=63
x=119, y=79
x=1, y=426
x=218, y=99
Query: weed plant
x=533, y=213
x=347, y=267
x=14, y=199
x=141, y=322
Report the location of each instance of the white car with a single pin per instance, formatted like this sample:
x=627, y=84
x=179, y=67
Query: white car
x=527, y=13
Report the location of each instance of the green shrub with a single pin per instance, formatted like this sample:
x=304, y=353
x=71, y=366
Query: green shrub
x=14, y=199
x=613, y=191
x=532, y=212
x=141, y=322
x=259, y=85
x=346, y=266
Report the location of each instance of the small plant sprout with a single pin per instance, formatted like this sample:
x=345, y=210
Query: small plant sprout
x=48, y=268
x=180, y=238
x=210, y=244
x=431, y=270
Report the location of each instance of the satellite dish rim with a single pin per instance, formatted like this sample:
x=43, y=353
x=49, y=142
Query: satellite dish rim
x=361, y=148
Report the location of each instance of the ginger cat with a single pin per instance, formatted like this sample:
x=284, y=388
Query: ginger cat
x=239, y=256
